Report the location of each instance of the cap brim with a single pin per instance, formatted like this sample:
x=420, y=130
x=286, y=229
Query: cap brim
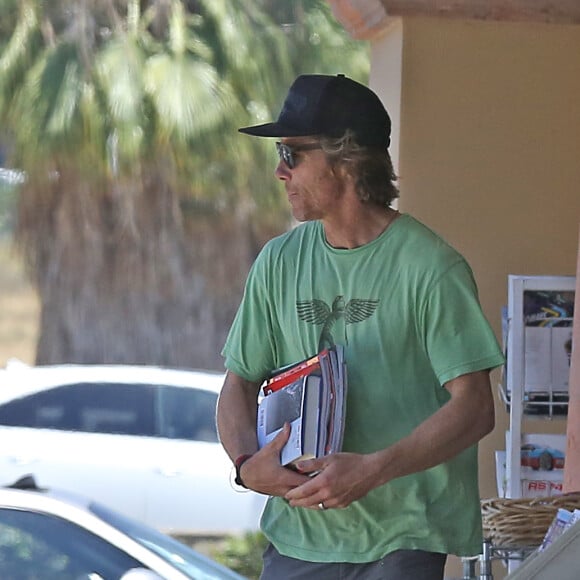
x=273, y=130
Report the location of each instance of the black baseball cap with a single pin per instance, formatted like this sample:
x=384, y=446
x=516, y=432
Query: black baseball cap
x=329, y=105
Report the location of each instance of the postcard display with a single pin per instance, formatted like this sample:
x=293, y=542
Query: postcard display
x=537, y=335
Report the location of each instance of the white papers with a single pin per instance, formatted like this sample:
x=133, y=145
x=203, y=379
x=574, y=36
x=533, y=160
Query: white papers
x=314, y=404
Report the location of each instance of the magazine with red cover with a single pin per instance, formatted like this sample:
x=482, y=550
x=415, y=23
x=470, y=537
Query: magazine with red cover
x=311, y=396
x=286, y=375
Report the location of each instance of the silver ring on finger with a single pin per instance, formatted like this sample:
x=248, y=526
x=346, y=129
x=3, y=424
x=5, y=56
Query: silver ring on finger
x=321, y=505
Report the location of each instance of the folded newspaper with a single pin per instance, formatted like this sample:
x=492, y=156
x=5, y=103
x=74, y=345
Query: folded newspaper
x=311, y=397
x=562, y=522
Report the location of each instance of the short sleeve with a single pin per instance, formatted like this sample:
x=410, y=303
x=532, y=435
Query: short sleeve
x=249, y=350
x=458, y=337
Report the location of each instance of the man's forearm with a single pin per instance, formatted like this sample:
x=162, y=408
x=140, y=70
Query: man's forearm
x=236, y=416
x=236, y=420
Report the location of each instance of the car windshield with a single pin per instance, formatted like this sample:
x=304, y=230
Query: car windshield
x=195, y=565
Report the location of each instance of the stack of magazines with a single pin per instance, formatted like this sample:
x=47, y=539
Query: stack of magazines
x=311, y=397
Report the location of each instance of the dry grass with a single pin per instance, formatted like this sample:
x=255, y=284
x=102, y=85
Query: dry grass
x=19, y=309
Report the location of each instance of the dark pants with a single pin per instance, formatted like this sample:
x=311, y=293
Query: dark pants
x=398, y=565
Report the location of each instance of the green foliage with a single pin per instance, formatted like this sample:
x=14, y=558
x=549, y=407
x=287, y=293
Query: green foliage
x=185, y=72
x=243, y=554
x=318, y=43
x=105, y=88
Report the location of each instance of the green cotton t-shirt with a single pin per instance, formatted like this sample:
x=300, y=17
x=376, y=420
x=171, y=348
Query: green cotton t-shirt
x=405, y=307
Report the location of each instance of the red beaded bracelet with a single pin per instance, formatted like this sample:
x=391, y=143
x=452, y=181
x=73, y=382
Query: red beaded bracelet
x=238, y=465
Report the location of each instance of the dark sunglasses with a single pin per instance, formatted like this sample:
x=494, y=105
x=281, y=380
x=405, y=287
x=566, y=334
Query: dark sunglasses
x=286, y=152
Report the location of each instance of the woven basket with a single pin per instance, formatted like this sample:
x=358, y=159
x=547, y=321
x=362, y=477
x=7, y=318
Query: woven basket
x=523, y=522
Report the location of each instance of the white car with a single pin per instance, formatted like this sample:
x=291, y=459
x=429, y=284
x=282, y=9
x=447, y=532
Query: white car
x=140, y=439
x=50, y=535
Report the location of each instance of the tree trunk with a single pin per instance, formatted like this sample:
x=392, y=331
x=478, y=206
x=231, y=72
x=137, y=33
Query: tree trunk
x=129, y=276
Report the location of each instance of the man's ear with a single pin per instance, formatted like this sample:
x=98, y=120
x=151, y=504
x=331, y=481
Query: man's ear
x=342, y=171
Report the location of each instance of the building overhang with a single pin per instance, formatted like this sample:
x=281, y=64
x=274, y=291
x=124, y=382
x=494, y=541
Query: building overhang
x=365, y=19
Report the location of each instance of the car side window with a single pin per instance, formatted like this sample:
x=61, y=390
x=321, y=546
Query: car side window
x=88, y=407
x=37, y=546
x=186, y=413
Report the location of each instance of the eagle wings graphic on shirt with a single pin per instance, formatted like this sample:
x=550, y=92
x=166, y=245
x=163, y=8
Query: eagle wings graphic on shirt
x=336, y=317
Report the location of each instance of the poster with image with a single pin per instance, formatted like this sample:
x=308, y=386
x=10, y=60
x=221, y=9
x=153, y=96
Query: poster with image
x=548, y=317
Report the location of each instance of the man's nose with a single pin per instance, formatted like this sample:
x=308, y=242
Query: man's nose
x=282, y=171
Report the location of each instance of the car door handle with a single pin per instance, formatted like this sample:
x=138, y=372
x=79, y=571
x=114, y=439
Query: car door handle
x=24, y=460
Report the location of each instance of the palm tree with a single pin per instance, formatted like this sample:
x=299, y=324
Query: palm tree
x=143, y=208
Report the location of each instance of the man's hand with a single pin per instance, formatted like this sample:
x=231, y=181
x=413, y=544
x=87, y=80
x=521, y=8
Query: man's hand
x=341, y=479
x=263, y=472
x=457, y=425
x=347, y=477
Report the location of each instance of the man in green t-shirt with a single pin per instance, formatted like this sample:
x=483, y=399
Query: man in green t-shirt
x=403, y=492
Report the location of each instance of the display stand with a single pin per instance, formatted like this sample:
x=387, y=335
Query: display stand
x=536, y=376
x=481, y=568
x=537, y=335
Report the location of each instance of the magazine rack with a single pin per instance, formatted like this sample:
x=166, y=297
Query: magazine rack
x=537, y=331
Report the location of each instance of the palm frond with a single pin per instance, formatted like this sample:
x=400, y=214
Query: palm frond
x=177, y=29
x=254, y=64
x=18, y=53
x=133, y=16
x=187, y=94
x=59, y=84
x=66, y=101
x=18, y=45
x=119, y=69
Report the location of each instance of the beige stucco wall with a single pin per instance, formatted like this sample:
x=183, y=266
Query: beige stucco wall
x=488, y=151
